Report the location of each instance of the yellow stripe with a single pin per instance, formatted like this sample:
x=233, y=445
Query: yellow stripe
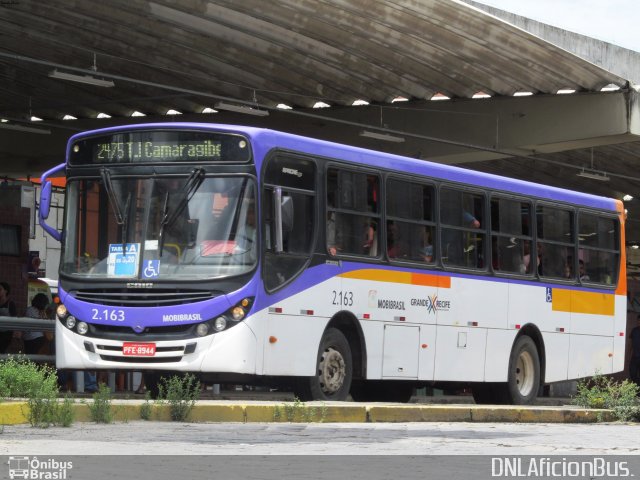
x=399, y=277
x=575, y=301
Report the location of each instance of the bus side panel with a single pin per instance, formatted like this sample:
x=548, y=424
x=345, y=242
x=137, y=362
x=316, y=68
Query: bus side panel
x=590, y=355
x=556, y=347
x=460, y=354
x=294, y=327
x=619, y=333
x=499, y=344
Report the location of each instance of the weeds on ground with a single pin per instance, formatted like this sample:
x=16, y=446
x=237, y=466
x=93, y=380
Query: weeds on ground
x=181, y=393
x=21, y=378
x=604, y=392
x=146, y=408
x=100, y=410
x=299, y=412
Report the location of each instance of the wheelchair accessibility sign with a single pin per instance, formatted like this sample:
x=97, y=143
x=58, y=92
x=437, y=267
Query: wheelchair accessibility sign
x=151, y=269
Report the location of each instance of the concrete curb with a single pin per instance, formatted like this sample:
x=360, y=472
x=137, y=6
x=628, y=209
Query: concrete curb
x=16, y=412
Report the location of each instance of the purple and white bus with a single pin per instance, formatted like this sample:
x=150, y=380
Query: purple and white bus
x=253, y=256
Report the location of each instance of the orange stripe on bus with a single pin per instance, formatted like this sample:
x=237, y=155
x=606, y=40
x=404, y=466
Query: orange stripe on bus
x=622, y=278
x=425, y=280
x=575, y=301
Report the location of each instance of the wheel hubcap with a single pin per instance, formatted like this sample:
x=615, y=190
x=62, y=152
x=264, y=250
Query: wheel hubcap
x=525, y=373
x=331, y=371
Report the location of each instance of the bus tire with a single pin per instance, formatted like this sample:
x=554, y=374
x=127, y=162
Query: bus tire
x=524, y=372
x=334, y=370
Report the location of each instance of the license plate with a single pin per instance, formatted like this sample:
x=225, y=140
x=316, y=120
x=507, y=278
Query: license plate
x=138, y=349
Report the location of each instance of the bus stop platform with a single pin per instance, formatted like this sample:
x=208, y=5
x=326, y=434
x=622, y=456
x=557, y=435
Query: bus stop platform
x=266, y=411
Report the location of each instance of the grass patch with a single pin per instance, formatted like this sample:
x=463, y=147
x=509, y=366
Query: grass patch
x=181, y=393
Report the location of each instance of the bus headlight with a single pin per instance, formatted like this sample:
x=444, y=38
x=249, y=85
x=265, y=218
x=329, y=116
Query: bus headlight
x=62, y=312
x=202, y=329
x=70, y=322
x=238, y=313
x=82, y=328
x=220, y=324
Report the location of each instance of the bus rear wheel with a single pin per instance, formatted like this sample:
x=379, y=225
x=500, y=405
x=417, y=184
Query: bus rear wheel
x=334, y=370
x=523, y=378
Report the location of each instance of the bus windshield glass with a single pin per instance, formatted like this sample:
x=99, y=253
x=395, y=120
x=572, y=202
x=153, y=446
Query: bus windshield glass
x=161, y=228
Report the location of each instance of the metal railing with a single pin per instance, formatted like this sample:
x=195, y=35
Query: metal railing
x=28, y=324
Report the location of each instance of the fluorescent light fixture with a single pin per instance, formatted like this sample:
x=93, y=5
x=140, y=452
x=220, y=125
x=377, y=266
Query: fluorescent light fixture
x=3, y=120
x=86, y=79
x=566, y=91
x=523, y=94
x=22, y=128
x=603, y=177
x=627, y=198
x=610, y=88
x=439, y=96
x=357, y=103
x=209, y=110
x=36, y=119
x=241, y=109
x=103, y=115
x=284, y=106
x=321, y=105
x=138, y=114
x=399, y=99
x=635, y=247
x=69, y=117
x=381, y=136
x=171, y=111
x=481, y=95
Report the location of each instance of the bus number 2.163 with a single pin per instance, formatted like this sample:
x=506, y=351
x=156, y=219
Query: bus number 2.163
x=106, y=314
x=344, y=299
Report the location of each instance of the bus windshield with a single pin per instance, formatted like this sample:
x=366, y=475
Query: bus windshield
x=161, y=228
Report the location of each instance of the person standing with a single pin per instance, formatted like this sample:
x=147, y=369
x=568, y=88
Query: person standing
x=7, y=309
x=35, y=340
x=634, y=363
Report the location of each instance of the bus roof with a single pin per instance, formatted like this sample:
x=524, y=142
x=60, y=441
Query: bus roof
x=269, y=139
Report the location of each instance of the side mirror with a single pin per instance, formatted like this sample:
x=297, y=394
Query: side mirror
x=45, y=202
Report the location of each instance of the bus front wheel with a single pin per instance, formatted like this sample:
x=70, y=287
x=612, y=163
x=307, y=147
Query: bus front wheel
x=334, y=370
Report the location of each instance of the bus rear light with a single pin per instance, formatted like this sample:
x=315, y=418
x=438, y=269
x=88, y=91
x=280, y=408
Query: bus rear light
x=622, y=334
x=424, y=345
x=306, y=312
x=518, y=326
x=399, y=319
x=272, y=339
x=610, y=355
x=560, y=329
x=275, y=310
x=366, y=316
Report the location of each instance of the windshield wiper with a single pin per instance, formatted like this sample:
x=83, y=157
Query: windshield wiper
x=120, y=214
x=190, y=187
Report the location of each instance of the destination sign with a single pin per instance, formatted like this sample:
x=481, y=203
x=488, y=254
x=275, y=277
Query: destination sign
x=205, y=150
x=160, y=146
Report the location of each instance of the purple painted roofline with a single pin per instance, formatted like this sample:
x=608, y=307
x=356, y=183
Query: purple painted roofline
x=269, y=139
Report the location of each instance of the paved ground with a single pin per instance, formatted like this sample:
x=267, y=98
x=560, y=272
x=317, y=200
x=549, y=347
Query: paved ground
x=156, y=438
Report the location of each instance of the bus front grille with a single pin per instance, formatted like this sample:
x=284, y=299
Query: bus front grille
x=142, y=297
